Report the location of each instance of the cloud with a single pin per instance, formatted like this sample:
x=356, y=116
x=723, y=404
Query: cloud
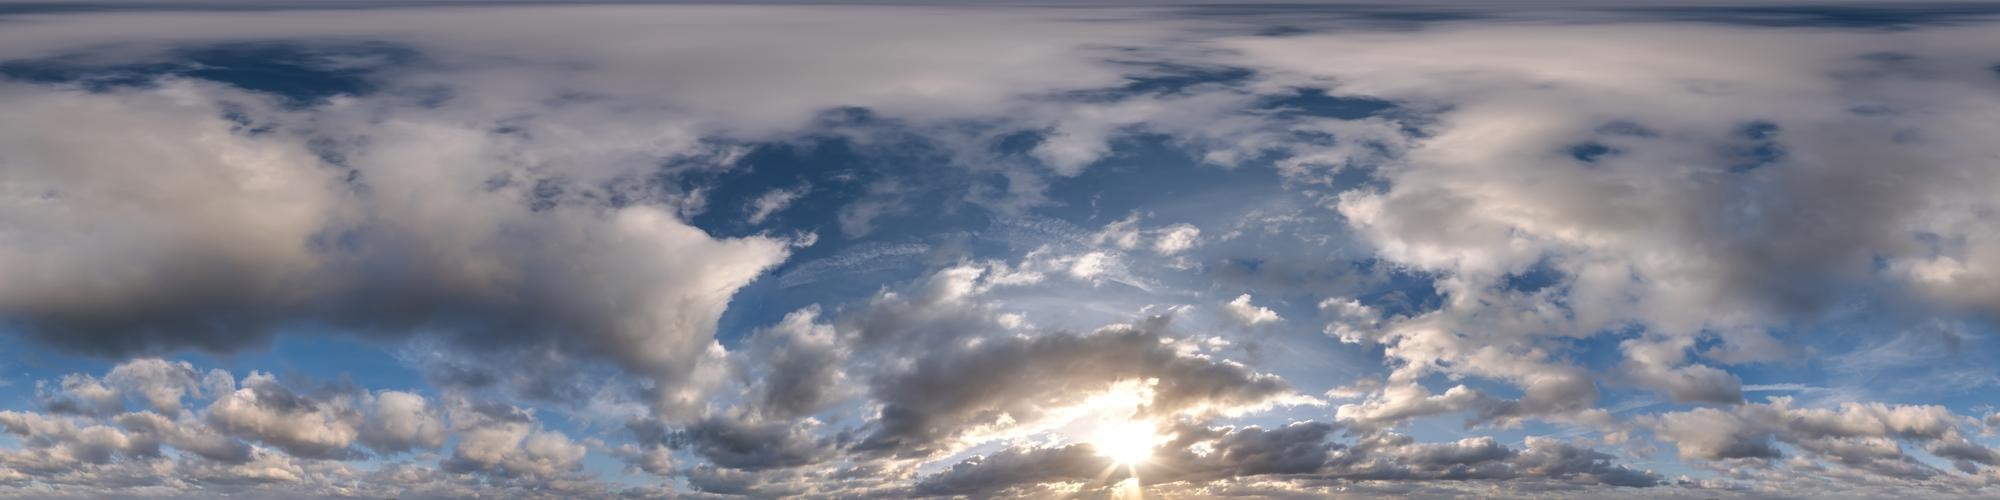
x=319, y=213
x=800, y=366
x=1166, y=241
x=402, y=421
x=744, y=444
x=1176, y=239
x=1297, y=451
x=551, y=210
x=160, y=383
x=460, y=258
x=1351, y=321
x=774, y=201
x=267, y=438
x=267, y=412
x=508, y=442
x=1249, y=314
x=986, y=475
x=1864, y=438
x=1651, y=364
x=944, y=394
x=1706, y=208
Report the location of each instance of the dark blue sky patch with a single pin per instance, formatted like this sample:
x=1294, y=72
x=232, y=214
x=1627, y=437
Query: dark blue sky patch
x=1888, y=57
x=832, y=165
x=1898, y=16
x=10, y=8
x=1757, y=156
x=242, y=122
x=1594, y=150
x=1164, y=78
x=1401, y=291
x=300, y=73
x=1316, y=102
x=1760, y=148
x=62, y=70
x=1143, y=171
x=892, y=165
x=1535, y=278
x=927, y=201
x=1278, y=31
x=1600, y=352
x=1018, y=144
x=1626, y=129
x=1590, y=152
x=1295, y=19
x=1759, y=130
x=546, y=194
x=1872, y=110
x=1147, y=173
x=1168, y=78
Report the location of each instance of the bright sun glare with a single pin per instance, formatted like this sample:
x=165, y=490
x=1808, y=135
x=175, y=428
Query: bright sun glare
x=1127, y=442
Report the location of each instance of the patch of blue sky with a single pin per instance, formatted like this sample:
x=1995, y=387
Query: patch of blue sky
x=300, y=73
x=1820, y=15
x=22, y=364
x=1147, y=77
x=926, y=223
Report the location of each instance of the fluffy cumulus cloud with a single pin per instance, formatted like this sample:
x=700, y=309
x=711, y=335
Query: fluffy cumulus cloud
x=840, y=251
x=267, y=437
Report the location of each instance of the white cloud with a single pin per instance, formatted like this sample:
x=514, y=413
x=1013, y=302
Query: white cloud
x=401, y=421
x=1711, y=214
x=290, y=441
x=162, y=384
x=1090, y=265
x=1351, y=321
x=1249, y=314
x=266, y=204
x=773, y=201
x=1176, y=239
x=1125, y=234
x=270, y=413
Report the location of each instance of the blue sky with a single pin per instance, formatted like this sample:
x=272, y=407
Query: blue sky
x=1704, y=250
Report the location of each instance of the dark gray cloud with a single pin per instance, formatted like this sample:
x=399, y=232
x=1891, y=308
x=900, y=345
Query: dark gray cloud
x=1018, y=468
x=796, y=366
x=737, y=444
x=1297, y=448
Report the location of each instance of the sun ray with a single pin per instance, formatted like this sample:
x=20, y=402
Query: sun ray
x=1127, y=443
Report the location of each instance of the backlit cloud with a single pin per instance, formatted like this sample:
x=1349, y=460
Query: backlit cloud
x=841, y=251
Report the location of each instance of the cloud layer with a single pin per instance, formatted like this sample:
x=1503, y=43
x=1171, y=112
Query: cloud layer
x=908, y=251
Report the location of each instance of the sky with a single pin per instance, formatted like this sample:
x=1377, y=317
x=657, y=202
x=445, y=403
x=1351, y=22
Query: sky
x=461, y=249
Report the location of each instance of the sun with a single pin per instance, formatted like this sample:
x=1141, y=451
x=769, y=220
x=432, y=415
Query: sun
x=1126, y=442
